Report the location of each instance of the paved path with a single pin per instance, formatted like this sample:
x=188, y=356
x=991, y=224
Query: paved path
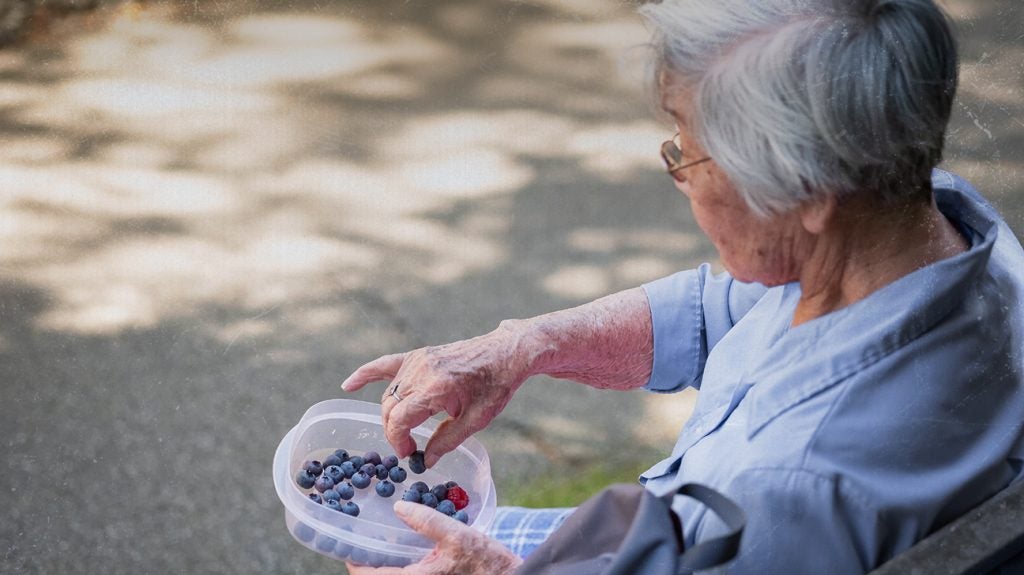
x=213, y=212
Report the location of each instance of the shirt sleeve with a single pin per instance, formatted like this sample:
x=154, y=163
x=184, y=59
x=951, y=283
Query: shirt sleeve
x=797, y=522
x=690, y=312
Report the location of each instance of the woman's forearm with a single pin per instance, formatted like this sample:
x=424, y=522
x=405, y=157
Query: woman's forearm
x=607, y=343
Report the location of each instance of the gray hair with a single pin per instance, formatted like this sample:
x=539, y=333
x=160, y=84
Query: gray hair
x=795, y=99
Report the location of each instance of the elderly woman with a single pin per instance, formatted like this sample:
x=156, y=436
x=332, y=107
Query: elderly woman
x=860, y=364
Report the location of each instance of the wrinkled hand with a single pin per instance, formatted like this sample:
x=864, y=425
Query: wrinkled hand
x=460, y=549
x=471, y=380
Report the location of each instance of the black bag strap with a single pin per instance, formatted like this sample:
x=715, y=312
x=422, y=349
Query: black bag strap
x=721, y=549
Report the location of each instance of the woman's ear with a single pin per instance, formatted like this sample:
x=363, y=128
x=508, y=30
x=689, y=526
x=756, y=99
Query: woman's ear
x=818, y=214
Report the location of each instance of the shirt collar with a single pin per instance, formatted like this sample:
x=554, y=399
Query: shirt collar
x=820, y=353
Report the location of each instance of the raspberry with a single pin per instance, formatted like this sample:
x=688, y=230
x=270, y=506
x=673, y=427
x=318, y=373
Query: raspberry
x=458, y=496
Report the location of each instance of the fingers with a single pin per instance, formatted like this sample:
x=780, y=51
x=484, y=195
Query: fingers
x=385, y=367
x=431, y=524
x=402, y=417
x=451, y=433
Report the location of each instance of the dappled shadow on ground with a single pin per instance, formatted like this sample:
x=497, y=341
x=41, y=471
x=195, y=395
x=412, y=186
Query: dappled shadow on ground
x=212, y=212
x=986, y=136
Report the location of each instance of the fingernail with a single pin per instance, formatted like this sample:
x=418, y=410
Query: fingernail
x=430, y=459
x=403, y=508
x=344, y=385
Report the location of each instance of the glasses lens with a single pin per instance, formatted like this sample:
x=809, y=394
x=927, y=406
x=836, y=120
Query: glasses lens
x=671, y=154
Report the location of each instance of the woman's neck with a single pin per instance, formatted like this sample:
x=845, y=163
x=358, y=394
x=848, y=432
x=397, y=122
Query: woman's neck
x=864, y=250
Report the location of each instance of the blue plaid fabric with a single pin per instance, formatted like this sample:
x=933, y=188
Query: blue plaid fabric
x=523, y=530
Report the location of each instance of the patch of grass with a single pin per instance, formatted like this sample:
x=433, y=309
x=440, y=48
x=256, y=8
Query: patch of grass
x=569, y=489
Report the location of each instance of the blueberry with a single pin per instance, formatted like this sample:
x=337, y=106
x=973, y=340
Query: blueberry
x=462, y=516
x=313, y=466
x=349, y=508
x=332, y=460
x=440, y=491
x=420, y=486
x=377, y=560
x=369, y=469
x=382, y=472
x=397, y=474
x=450, y=484
x=345, y=491
x=315, y=497
x=446, y=507
x=390, y=461
x=343, y=549
x=348, y=469
x=332, y=494
x=360, y=480
x=372, y=457
x=416, y=464
x=357, y=461
x=341, y=454
x=411, y=495
x=323, y=483
x=333, y=504
x=325, y=544
x=385, y=488
x=304, y=532
x=334, y=472
x=360, y=556
x=429, y=500
x=305, y=479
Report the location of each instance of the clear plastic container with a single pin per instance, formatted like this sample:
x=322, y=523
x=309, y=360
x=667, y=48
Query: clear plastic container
x=376, y=537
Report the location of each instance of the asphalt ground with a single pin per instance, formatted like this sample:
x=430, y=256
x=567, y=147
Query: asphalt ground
x=214, y=211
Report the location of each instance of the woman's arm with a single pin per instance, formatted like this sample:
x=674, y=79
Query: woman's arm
x=606, y=343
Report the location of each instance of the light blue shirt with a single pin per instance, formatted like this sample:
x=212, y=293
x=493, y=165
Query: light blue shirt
x=850, y=437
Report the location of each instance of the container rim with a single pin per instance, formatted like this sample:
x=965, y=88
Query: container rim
x=308, y=512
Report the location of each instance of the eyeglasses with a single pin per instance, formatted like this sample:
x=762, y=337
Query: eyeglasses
x=673, y=157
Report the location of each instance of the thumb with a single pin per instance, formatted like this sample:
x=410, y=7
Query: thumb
x=427, y=521
x=385, y=367
x=450, y=434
